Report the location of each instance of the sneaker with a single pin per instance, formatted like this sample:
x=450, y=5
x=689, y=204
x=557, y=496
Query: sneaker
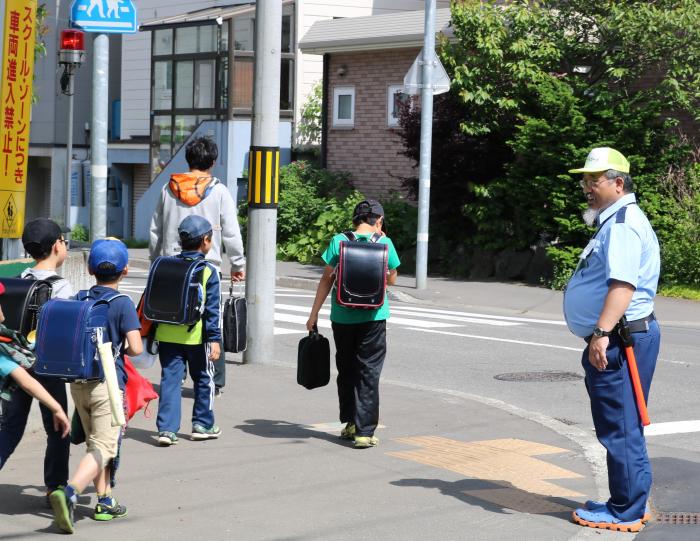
x=105, y=512
x=201, y=433
x=62, y=510
x=604, y=520
x=348, y=433
x=48, y=494
x=166, y=439
x=592, y=505
x=364, y=442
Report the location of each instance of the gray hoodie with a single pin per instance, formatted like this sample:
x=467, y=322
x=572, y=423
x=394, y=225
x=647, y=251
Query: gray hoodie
x=187, y=194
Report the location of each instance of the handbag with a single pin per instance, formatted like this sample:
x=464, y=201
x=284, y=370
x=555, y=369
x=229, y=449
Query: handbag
x=313, y=360
x=235, y=317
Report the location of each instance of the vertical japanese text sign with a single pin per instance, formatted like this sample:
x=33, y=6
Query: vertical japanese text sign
x=17, y=76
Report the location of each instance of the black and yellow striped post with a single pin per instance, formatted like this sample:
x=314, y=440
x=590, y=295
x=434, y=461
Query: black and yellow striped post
x=263, y=177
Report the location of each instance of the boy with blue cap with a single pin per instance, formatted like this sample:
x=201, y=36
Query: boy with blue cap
x=196, y=346
x=108, y=262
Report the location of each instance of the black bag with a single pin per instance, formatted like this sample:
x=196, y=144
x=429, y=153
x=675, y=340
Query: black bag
x=361, y=272
x=22, y=300
x=174, y=291
x=235, y=318
x=313, y=361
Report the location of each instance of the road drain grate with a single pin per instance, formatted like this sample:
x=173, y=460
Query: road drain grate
x=545, y=375
x=690, y=519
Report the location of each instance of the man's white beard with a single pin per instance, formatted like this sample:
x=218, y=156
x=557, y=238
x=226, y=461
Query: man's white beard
x=590, y=216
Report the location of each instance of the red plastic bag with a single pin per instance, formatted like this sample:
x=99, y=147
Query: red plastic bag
x=139, y=391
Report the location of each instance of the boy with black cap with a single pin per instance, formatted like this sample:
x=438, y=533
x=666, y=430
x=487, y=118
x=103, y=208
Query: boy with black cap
x=43, y=241
x=195, y=346
x=359, y=333
x=108, y=262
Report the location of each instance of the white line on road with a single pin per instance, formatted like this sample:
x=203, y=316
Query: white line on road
x=485, y=316
x=674, y=427
x=481, y=321
x=508, y=340
x=393, y=320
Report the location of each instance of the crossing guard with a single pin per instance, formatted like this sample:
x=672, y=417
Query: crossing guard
x=616, y=277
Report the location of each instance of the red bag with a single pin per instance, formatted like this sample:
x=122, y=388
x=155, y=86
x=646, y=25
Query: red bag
x=139, y=391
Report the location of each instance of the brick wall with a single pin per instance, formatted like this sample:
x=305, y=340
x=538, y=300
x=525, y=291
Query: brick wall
x=371, y=149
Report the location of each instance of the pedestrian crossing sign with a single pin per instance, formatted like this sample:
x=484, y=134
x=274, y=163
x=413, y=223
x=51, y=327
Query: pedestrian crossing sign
x=104, y=16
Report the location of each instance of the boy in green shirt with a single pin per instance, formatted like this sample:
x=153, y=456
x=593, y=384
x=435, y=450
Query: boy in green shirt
x=359, y=333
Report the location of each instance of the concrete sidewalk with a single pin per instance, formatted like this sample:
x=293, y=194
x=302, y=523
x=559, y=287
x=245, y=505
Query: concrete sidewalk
x=447, y=467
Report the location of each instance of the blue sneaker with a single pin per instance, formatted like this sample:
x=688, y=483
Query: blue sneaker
x=604, y=520
x=593, y=505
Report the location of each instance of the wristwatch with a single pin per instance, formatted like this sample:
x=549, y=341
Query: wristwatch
x=600, y=332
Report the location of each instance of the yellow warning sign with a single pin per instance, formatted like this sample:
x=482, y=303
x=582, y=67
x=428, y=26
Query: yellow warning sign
x=263, y=177
x=15, y=104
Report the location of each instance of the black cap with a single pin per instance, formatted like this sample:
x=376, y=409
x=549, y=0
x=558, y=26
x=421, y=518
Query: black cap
x=368, y=206
x=41, y=234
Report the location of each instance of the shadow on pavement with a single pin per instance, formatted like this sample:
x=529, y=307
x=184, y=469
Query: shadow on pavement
x=16, y=501
x=268, y=428
x=497, y=496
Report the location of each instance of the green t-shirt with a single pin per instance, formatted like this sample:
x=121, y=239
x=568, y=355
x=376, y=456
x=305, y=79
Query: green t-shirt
x=344, y=314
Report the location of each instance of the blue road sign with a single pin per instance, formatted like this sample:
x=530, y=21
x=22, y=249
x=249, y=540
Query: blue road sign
x=104, y=16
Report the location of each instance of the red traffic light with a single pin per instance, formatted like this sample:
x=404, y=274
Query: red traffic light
x=72, y=40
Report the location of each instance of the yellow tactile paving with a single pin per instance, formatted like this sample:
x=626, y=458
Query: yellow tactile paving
x=509, y=462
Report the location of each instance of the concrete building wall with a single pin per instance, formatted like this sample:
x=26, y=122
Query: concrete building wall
x=371, y=149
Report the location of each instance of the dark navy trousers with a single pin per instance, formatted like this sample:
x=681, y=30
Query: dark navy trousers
x=14, y=420
x=172, y=360
x=617, y=423
x=360, y=352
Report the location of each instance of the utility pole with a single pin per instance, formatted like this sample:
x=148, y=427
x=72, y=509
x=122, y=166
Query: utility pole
x=263, y=182
x=426, y=140
x=98, y=138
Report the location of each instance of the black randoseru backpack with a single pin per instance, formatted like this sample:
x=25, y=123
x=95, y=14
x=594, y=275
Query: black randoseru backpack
x=361, y=272
x=22, y=300
x=174, y=291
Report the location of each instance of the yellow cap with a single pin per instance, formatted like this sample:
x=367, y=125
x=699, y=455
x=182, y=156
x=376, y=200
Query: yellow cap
x=604, y=158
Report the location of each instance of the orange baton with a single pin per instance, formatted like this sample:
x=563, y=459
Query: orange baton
x=627, y=341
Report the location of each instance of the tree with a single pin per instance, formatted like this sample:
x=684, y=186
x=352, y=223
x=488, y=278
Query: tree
x=535, y=86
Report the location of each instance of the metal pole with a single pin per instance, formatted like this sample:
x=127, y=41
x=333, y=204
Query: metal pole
x=98, y=138
x=264, y=152
x=69, y=148
x=426, y=139
x=231, y=60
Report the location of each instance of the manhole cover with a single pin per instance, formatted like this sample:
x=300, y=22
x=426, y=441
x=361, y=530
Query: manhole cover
x=690, y=519
x=545, y=375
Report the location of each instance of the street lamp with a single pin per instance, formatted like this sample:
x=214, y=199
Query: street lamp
x=70, y=55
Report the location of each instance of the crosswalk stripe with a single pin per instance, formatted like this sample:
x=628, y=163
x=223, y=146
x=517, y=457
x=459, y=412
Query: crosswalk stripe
x=485, y=316
x=392, y=320
x=481, y=321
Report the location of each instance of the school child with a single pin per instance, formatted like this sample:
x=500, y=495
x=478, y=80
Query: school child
x=359, y=333
x=43, y=241
x=13, y=374
x=108, y=262
x=194, y=346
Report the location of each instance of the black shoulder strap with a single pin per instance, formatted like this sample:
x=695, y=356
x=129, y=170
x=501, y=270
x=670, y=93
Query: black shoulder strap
x=620, y=215
x=350, y=235
x=53, y=279
x=375, y=237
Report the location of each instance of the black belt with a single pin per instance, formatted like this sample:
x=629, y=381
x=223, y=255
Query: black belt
x=641, y=325
x=638, y=325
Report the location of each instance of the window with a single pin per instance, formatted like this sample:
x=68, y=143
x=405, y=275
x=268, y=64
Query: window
x=344, y=106
x=396, y=97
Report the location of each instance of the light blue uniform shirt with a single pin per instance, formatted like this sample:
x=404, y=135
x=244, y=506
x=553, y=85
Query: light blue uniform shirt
x=625, y=249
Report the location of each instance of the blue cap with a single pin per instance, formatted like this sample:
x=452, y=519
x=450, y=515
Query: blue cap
x=108, y=256
x=193, y=227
